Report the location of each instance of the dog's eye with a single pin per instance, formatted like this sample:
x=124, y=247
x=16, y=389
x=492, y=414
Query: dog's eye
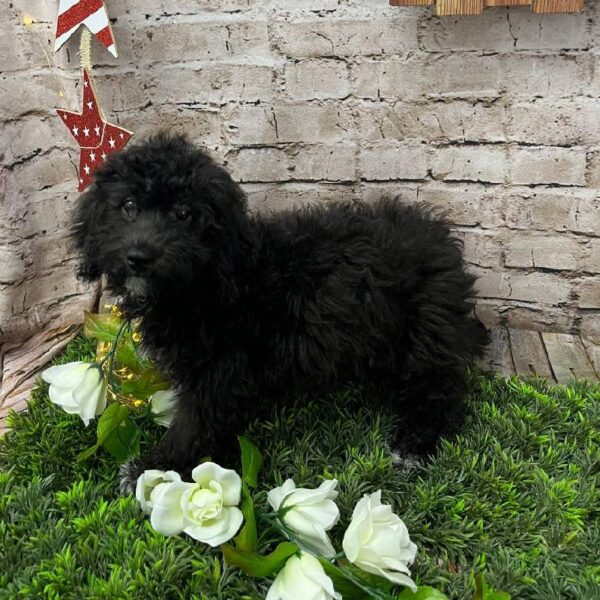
x=183, y=213
x=130, y=208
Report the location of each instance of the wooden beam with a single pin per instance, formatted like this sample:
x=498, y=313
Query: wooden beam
x=411, y=2
x=556, y=6
x=475, y=7
x=568, y=357
x=529, y=354
x=458, y=7
x=507, y=2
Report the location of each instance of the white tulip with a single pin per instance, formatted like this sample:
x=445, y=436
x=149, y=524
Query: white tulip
x=80, y=388
x=206, y=510
x=302, y=578
x=163, y=404
x=148, y=484
x=377, y=541
x=309, y=513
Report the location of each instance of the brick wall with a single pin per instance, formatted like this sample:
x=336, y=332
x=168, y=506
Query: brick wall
x=495, y=119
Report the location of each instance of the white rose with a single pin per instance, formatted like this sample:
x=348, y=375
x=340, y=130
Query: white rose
x=377, y=541
x=163, y=404
x=79, y=388
x=309, y=513
x=148, y=484
x=206, y=510
x=302, y=578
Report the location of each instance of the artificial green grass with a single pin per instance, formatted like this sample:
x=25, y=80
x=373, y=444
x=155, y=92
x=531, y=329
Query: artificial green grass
x=515, y=496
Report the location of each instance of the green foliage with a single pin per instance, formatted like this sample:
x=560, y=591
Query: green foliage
x=515, y=496
x=257, y=565
x=116, y=433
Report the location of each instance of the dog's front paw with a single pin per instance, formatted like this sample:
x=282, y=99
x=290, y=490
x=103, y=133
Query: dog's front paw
x=407, y=462
x=128, y=476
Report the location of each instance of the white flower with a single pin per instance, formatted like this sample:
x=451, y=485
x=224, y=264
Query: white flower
x=302, y=578
x=310, y=513
x=206, y=510
x=148, y=484
x=163, y=404
x=78, y=387
x=377, y=541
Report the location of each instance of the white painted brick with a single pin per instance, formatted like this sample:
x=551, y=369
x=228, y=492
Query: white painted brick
x=456, y=121
x=446, y=76
x=557, y=252
x=202, y=125
x=168, y=41
x=316, y=79
x=505, y=31
x=271, y=197
x=562, y=166
x=551, y=75
x=593, y=170
x=560, y=210
x=213, y=84
x=266, y=124
x=590, y=326
x=555, y=122
x=339, y=37
x=482, y=248
x=160, y=7
x=470, y=163
x=591, y=263
x=404, y=191
x=543, y=288
x=466, y=204
x=313, y=163
x=393, y=160
x=589, y=293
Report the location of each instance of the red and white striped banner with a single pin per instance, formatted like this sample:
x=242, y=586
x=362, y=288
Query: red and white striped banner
x=92, y=14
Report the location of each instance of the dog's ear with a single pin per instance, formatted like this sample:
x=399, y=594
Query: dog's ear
x=86, y=234
x=232, y=233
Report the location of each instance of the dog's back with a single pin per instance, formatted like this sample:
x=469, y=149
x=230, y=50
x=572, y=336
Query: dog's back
x=355, y=291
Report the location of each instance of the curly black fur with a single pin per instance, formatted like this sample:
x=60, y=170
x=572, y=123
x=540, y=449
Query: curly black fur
x=246, y=311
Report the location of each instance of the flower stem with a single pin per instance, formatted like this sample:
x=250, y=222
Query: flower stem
x=110, y=357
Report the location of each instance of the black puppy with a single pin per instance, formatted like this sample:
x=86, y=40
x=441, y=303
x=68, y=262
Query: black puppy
x=245, y=311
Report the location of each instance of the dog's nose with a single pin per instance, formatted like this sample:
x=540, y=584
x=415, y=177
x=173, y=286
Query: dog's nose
x=139, y=258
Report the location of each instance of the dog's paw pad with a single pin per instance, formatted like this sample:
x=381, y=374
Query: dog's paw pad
x=128, y=476
x=407, y=462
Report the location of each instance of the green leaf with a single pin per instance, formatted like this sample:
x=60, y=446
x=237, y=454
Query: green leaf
x=256, y=565
x=110, y=419
x=484, y=592
x=247, y=539
x=85, y=454
x=124, y=441
x=423, y=593
x=251, y=461
x=103, y=326
x=354, y=584
x=116, y=434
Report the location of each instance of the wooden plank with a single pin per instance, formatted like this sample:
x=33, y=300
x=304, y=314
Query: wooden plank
x=556, y=6
x=475, y=7
x=498, y=357
x=458, y=7
x=593, y=351
x=529, y=354
x=411, y=2
x=568, y=357
x=507, y=2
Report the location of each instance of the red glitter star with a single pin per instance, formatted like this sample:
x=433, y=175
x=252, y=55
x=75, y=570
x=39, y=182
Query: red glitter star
x=96, y=138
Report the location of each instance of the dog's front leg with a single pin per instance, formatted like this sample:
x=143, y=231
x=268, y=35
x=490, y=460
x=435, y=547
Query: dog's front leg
x=188, y=439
